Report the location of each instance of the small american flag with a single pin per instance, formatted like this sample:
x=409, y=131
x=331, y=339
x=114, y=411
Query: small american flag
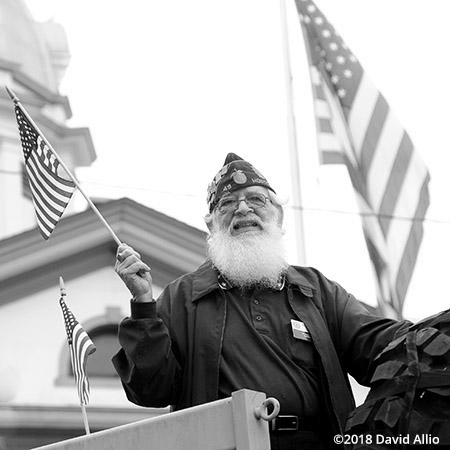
x=355, y=125
x=50, y=192
x=80, y=346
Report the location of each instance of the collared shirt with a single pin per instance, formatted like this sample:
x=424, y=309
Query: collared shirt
x=261, y=351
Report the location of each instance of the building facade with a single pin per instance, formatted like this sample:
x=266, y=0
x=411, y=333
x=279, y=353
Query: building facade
x=38, y=397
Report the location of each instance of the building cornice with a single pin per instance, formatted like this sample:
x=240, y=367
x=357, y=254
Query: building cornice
x=34, y=92
x=81, y=243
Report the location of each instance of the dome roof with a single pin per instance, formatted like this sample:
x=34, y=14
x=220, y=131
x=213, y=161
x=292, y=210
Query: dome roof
x=39, y=49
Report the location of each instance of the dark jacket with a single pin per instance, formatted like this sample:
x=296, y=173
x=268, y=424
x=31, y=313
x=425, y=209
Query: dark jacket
x=171, y=356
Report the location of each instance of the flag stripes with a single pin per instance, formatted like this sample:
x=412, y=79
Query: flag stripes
x=50, y=192
x=355, y=125
x=80, y=346
x=79, y=351
x=328, y=143
x=415, y=236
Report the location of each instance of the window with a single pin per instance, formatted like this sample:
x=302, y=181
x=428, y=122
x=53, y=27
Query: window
x=99, y=368
x=99, y=363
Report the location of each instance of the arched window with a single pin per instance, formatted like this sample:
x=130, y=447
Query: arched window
x=99, y=363
x=103, y=333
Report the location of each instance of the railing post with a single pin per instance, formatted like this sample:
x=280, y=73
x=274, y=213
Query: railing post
x=250, y=433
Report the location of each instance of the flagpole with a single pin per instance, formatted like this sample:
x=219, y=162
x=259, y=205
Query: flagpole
x=17, y=102
x=85, y=420
x=62, y=289
x=293, y=143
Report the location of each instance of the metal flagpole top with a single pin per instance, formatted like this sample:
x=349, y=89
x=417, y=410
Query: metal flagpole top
x=62, y=286
x=13, y=96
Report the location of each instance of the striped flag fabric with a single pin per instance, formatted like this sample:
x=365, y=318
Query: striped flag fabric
x=356, y=126
x=50, y=192
x=80, y=346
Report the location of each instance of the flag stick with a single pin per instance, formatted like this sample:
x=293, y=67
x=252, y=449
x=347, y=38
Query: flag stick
x=17, y=102
x=85, y=420
x=62, y=289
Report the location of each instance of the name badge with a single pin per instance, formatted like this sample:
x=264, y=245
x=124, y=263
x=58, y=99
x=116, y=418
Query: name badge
x=299, y=330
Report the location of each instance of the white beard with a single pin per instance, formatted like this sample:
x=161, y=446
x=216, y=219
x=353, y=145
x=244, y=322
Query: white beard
x=250, y=259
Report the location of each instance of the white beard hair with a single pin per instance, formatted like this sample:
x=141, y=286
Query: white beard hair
x=249, y=260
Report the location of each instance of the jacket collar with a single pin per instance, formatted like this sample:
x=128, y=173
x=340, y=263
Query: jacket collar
x=206, y=279
x=296, y=278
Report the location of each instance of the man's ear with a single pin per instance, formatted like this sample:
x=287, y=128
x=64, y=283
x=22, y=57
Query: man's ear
x=209, y=221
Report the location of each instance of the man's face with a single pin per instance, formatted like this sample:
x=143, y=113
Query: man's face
x=244, y=218
x=246, y=244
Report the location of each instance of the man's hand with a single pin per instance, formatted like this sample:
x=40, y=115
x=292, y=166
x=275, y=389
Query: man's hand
x=134, y=273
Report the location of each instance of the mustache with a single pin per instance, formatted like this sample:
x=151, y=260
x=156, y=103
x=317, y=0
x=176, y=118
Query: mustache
x=237, y=222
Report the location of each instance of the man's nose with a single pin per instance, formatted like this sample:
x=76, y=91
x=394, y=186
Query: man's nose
x=242, y=207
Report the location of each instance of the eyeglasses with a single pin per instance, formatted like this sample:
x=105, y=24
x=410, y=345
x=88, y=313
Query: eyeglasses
x=253, y=201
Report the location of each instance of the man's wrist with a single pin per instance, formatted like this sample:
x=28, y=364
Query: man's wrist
x=143, y=298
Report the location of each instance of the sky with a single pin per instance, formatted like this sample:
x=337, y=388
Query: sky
x=168, y=88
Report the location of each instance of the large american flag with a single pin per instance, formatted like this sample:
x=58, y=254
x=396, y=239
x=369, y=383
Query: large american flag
x=80, y=346
x=50, y=192
x=355, y=125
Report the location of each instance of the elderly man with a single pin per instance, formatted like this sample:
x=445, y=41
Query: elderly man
x=248, y=319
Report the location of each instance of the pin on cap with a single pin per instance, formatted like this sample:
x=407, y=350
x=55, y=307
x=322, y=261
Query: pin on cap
x=235, y=174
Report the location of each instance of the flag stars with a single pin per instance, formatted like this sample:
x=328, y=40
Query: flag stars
x=326, y=34
x=348, y=73
x=341, y=93
x=333, y=46
x=335, y=79
x=340, y=60
x=318, y=21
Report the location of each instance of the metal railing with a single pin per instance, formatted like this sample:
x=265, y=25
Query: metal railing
x=239, y=422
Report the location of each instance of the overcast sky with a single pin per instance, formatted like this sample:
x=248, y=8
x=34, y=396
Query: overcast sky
x=168, y=88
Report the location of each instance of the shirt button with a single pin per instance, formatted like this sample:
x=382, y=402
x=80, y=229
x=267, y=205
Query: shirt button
x=256, y=302
x=258, y=318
